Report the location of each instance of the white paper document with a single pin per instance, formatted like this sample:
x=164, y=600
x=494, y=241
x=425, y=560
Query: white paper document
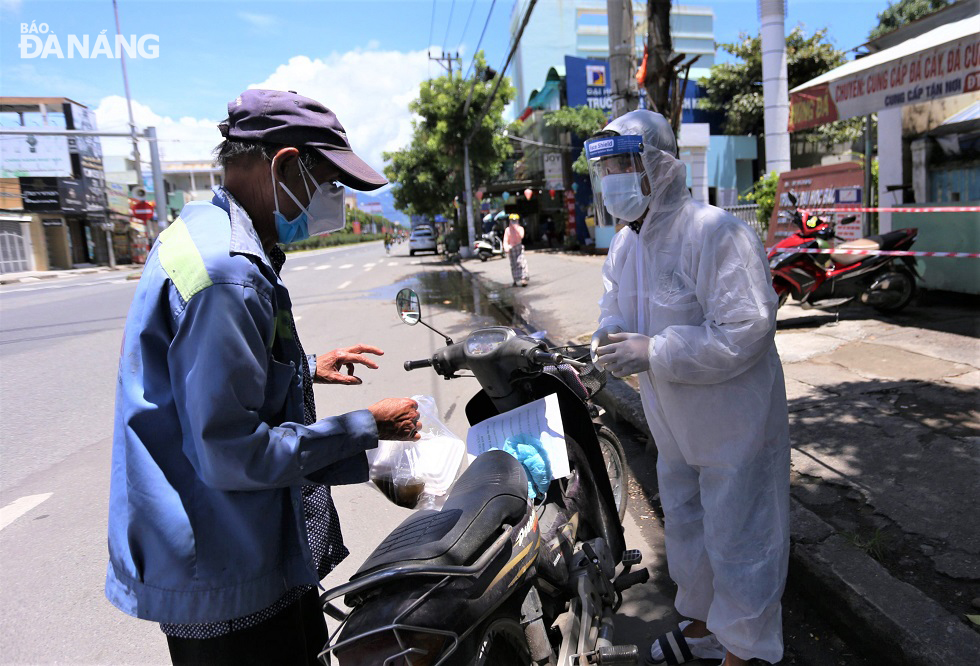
x=541, y=419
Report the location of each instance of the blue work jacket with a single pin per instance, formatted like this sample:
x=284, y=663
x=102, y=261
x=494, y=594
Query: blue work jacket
x=209, y=452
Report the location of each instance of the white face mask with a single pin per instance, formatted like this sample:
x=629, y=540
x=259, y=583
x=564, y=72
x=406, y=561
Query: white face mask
x=326, y=212
x=623, y=197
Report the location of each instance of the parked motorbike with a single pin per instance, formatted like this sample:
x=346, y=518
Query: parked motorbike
x=831, y=279
x=489, y=245
x=495, y=578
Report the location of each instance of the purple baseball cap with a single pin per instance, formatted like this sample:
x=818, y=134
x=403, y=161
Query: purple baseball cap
x=288, y=119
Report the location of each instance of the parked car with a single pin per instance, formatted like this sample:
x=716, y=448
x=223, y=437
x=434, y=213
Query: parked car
x=423, y=239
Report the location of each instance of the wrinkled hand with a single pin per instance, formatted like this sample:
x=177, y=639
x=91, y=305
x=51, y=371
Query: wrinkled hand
x=397, y=419
x=627, y=354
x=329, y=366
x=601, y=338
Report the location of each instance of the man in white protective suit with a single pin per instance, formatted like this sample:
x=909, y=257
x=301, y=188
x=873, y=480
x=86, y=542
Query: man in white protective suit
x=689, y=307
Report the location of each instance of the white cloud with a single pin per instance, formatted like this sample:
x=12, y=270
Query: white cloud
x=369, y=90
x=185, y=138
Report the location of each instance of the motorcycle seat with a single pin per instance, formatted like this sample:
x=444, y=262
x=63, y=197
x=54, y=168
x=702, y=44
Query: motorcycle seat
x=859, y=244
x=490, y=493
x=878, y=242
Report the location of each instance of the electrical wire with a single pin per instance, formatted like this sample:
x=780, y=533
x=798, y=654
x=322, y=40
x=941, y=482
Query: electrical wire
x=466, y=25
x=428, y=44
x=449, y=24
x=484, y=32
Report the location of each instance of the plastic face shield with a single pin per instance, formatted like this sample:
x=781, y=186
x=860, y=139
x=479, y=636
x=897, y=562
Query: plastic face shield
x=616, y=169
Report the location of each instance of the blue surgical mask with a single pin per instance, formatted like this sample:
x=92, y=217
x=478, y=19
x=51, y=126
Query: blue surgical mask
x=324, y=214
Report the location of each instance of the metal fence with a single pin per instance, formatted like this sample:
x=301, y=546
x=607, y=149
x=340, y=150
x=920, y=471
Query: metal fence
x=747, y=213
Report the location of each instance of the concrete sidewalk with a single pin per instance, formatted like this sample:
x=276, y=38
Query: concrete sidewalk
x=34, y=276
x=885, y=428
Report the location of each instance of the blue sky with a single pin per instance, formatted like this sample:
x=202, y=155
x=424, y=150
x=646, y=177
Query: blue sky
x=362, y=58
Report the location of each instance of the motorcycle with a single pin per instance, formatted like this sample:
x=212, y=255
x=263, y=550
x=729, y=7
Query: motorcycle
x=489, y=245
x=831, y=279
x=495, y=578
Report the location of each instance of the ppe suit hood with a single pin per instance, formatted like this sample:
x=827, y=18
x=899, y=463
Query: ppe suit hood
x=666, y=174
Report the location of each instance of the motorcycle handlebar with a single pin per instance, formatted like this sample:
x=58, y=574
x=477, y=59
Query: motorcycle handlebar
x=542, y=357
x=415, y=365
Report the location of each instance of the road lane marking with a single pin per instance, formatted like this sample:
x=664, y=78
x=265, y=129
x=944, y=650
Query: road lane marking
x=322, y=268
x=344, y=285
x=417, y=261
x=19, y=507
x=347, y=266
x=392, y=263
x=300, y=268
x=368, y=267
x=297, y=317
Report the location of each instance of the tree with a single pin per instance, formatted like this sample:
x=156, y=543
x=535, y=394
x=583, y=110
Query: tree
x=735, y=89
x=904, y=12
x=581, y=120
x=428, y=174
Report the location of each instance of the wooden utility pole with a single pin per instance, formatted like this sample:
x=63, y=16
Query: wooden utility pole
x=622, y=59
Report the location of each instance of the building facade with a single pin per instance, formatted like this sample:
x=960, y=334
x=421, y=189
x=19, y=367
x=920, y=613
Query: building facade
x=53, y=209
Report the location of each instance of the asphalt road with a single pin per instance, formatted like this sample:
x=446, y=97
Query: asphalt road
x=59, y=346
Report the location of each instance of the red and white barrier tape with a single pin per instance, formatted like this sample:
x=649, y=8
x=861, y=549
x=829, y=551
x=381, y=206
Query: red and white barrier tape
x=885, y=253
x=892, y=209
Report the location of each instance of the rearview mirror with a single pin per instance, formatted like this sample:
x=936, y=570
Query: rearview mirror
x=848, y=220
x=792, y=198
x=408, y=307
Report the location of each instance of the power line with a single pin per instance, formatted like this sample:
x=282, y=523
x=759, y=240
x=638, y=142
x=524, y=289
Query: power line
x=466, y=25
x=428, y=44
x=449, y=24
x=503, y=70
x=477, y=50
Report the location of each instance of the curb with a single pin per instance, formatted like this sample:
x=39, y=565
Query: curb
x=887, y=617
x=48, y=275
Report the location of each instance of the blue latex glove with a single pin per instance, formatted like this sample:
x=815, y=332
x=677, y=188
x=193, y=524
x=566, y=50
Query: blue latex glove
x=531, y=454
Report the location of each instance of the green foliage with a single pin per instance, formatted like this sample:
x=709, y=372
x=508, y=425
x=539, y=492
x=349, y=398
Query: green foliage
x=581, y=120
x=428, y=174
x=735, y=89
x=904, y=12
x=763, y=193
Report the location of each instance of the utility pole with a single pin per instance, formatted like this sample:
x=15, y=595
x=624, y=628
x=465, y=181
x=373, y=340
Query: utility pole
x=129, y=102
x=621, y=56
x=775, y=90
x=446, y=60
x=159, y=188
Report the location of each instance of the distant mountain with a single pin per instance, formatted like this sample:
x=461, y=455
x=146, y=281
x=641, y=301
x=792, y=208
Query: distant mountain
x=387, y=202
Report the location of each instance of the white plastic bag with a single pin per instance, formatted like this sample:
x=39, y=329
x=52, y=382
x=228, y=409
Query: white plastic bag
x=419, y=474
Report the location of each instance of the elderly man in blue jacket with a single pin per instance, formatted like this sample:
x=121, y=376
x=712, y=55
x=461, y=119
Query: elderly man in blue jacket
x=221, y=522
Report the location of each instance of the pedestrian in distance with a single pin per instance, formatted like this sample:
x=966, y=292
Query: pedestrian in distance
x=387, y=243
x=514, y=247
x=221, y=520
x=689, y=308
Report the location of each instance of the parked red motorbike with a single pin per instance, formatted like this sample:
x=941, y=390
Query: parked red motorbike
x=831, y=279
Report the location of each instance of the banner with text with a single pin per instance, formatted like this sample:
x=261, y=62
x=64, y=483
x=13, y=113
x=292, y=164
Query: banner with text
x=944, y=70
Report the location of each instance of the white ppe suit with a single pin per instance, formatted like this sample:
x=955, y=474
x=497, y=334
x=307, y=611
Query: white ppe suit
x=695, y=281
